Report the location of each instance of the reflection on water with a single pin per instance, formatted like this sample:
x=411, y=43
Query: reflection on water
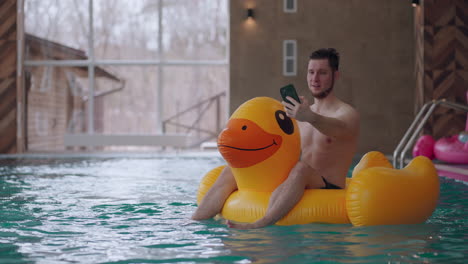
x=338, y=243
x=137, y=211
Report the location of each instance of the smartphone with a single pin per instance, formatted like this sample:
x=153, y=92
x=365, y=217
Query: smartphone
x=290, y=91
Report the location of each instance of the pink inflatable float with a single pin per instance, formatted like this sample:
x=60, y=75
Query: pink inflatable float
x=452, y=149
x=424, y=147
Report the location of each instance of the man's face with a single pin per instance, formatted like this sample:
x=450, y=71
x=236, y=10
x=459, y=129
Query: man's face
x=320, y=78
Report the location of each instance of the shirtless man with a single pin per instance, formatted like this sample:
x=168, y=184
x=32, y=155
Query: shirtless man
x=329, y=134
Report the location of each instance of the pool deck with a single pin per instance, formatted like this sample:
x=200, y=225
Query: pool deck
x=453, y=171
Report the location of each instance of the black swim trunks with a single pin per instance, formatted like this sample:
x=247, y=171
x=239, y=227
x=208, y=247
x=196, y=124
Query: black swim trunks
x=329, y=185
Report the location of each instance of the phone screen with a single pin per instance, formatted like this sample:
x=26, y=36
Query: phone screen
x=290, y=91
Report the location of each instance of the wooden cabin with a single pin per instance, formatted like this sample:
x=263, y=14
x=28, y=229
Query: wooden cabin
x=56, y=97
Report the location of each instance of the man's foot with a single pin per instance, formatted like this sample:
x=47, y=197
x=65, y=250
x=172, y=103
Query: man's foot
x=254, y=225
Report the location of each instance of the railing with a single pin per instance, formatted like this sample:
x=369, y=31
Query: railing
x=72, y=138
x=415, y=128
x=203, y=106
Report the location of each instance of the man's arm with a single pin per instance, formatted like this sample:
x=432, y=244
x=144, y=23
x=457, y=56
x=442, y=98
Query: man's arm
x=344, y=124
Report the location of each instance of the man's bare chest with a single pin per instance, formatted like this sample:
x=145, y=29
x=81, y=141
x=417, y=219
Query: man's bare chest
x=312, y=138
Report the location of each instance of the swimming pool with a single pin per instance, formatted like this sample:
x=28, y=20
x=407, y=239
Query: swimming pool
x=118, y=209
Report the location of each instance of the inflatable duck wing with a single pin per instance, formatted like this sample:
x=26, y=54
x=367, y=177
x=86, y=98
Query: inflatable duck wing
x=261, y=145
x=378, y=194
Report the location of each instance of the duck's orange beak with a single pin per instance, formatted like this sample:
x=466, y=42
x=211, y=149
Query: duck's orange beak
x=243, y=143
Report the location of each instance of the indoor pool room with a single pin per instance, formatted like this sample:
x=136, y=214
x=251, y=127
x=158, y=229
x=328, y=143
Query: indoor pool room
x=233, y=131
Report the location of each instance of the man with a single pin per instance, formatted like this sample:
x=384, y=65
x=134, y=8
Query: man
x=329, y=134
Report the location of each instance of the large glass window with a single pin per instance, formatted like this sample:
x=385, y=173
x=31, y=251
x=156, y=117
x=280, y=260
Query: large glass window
x=139, y=67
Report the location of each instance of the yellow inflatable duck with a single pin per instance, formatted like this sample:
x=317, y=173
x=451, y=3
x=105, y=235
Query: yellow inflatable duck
x=261, y=145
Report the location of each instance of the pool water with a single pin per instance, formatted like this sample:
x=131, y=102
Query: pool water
x=137, y=210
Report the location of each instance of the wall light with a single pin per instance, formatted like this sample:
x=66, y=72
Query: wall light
x=415, y=3
x=250, y=13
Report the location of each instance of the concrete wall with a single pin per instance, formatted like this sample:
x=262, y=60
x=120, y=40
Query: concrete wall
x=375, y=40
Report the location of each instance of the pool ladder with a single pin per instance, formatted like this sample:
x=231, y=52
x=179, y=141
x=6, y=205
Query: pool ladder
x=415, y=128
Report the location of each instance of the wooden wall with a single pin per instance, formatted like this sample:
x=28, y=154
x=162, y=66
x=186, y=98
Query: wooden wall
x=47, y=109
x=8, y=81
x=441, y=28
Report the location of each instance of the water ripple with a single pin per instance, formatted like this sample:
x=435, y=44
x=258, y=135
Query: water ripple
x=137, y=210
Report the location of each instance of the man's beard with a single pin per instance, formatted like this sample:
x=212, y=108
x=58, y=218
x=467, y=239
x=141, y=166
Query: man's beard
x=325, y=93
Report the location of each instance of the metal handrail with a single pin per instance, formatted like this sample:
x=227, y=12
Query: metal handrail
x=204, y=106
x=399, y=154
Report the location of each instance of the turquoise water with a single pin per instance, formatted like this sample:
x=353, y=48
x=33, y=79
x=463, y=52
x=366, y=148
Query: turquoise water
x=137, y=210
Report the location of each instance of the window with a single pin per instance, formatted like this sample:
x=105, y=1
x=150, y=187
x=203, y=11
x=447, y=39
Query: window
x=290, y=6
x=135, y=57
x=46, y=81
x=289, y=57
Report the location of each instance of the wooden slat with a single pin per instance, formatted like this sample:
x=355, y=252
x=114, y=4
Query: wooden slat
x=443, y=70
x=8, y=93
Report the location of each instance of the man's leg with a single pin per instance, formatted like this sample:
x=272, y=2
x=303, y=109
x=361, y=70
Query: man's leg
x=286, y=196
x=214, y=199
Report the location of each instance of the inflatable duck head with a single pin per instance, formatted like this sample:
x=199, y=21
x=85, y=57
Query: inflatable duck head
x=260, y=144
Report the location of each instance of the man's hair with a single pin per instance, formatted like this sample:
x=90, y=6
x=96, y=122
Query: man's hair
x=331, y=54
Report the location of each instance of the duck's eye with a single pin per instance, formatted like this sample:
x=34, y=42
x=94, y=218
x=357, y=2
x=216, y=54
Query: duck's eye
x=284, y=122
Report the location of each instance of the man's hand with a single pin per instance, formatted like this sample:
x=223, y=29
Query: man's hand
x=299, y=111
